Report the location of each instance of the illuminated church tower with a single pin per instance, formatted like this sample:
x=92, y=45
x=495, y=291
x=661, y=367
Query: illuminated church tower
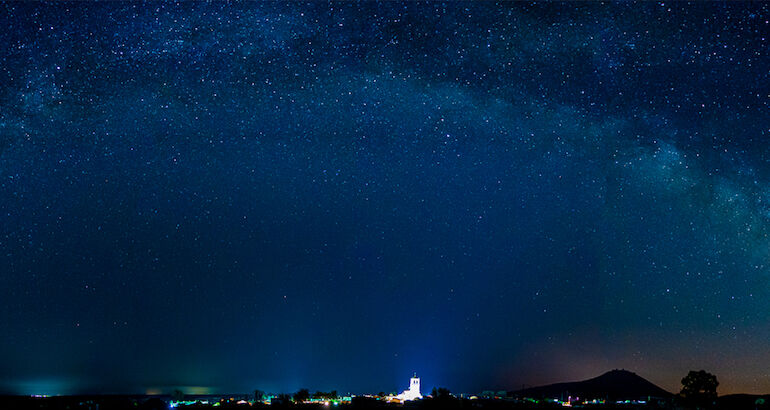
x=414, y=390
x=414, y=385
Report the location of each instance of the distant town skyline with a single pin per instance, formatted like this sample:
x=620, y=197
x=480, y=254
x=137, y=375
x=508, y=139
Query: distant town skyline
x=336, y=195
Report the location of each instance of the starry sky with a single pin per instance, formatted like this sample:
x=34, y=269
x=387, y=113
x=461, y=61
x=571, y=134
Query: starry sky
x=227, y=197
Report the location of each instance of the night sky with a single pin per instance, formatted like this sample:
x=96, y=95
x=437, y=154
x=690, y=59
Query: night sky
x=227, y=197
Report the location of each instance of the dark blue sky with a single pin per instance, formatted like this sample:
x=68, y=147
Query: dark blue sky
x=336, y=195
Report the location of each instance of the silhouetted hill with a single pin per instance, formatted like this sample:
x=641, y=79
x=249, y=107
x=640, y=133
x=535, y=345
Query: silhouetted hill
x=613, y=385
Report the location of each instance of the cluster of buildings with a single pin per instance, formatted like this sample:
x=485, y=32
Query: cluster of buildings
x=412, y=393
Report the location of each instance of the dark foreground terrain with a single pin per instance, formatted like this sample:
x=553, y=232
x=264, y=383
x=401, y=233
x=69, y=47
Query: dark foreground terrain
x=115, y=402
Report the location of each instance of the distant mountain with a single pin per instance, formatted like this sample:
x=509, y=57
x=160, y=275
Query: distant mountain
x=613, y=385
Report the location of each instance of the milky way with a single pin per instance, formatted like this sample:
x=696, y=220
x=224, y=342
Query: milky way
x=337, y=195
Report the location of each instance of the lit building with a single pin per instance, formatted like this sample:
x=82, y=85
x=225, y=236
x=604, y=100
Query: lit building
x=414, y=390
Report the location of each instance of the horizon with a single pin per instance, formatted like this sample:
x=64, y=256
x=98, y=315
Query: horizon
x=213, y=390
x=282, y=195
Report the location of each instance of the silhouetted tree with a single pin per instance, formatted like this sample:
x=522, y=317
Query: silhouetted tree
x=281, y=400
x=325, y=396
x=441, y=399
x=699, y=388
x=259, y=395
x=302, y=395
x=441, y=392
